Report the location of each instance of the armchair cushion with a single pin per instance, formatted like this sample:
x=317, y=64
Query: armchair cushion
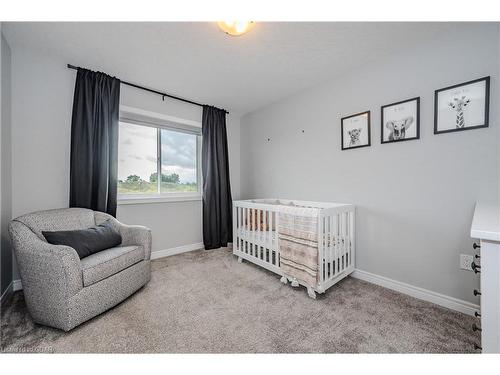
x=86, y=241
x=103, y=264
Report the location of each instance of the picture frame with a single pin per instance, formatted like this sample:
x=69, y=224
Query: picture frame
x=464, y=106
x=400, y=121
x=355, y=131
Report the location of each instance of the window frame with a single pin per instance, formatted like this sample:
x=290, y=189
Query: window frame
x=159, y=121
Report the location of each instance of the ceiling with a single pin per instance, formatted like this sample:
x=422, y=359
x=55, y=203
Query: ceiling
x=199, y=62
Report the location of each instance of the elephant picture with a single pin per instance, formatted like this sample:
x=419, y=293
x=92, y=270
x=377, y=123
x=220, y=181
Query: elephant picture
x=400, y=121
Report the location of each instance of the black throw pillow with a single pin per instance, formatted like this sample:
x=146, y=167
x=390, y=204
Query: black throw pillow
x=86, y=241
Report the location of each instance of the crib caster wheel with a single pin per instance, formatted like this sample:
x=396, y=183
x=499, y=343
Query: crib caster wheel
x=311, y=293
x=295, y=283
x=240, y=260
x=284, y=280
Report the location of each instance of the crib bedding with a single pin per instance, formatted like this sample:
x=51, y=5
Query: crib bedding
x=246, y=233
x=259, y=235
x=298, y=243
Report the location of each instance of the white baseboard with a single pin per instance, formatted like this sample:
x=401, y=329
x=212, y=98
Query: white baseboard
x=176, y=250
x=17, y=285
x=420, y=293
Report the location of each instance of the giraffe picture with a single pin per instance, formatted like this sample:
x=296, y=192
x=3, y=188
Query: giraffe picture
x=462, y=107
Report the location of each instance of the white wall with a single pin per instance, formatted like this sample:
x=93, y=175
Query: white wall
x=415, y=199
x=42, y=95
x=6, y=160
x=498, y=148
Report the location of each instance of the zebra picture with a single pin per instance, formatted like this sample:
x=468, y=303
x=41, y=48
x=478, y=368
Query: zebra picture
x=462, y=107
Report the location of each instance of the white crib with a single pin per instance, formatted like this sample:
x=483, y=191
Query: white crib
x=255, y=238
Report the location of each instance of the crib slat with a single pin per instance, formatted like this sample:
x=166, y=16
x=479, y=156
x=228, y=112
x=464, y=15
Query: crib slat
x=250, y=233
x=337, y=243
x=259, y=234
x=326, y=246
x=352, y=238
x=271, y=239
x=321, y=241
x=242, y=226
x=276, y=221
x=326, y=250
x=265, y=233
x=333, y=239
x=235, y=228
x=247, y=230
x=348, y=240
x=238, y=230
x=242, y=213
x=271, y=222
x=344, y=243
x=254, y=234
x=330, y=245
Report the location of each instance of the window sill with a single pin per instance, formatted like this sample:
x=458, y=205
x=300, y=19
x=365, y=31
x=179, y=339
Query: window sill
x=123, y=201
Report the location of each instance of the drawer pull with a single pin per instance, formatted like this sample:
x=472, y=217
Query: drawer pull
x=476, y=328
x=476, y=314
x=476, y=246
x=477, y=256
x=475, y=267
x=477, y=292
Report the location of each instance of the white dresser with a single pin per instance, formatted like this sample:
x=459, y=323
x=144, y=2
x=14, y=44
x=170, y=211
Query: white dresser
x=486, y=228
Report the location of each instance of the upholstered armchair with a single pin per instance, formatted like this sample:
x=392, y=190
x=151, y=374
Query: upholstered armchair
x=61, y=290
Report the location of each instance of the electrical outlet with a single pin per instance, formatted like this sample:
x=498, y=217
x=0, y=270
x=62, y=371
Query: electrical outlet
x=466, y=262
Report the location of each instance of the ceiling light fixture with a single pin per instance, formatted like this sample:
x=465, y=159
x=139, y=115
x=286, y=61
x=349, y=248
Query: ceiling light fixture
x=235, y=28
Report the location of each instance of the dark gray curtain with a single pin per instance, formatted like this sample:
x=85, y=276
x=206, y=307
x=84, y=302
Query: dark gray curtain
x=217, y=202
x=94, y=142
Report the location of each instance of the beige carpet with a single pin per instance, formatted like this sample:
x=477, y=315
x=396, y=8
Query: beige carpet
x=206, y=302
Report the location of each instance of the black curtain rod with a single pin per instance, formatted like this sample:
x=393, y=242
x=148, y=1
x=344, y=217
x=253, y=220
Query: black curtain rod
x=163, y=94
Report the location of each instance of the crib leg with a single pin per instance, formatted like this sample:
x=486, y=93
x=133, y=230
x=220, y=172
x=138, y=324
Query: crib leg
x=240, y=259
x=295, y=283
x=284, y=280
x=311, y=292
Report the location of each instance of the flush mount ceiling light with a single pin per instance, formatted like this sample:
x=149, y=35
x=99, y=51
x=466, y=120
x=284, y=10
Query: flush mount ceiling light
x=235, y=28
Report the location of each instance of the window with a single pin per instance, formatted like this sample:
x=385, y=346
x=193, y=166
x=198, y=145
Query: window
x=147, y=151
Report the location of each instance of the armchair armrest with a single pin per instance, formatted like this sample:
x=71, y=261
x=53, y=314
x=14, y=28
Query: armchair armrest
x=131, y=234
x=48, y=272
x=137, y=235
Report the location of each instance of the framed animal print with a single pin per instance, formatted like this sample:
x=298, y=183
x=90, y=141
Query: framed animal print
x=400, y=121
x=355, y=131
x=462, y=107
